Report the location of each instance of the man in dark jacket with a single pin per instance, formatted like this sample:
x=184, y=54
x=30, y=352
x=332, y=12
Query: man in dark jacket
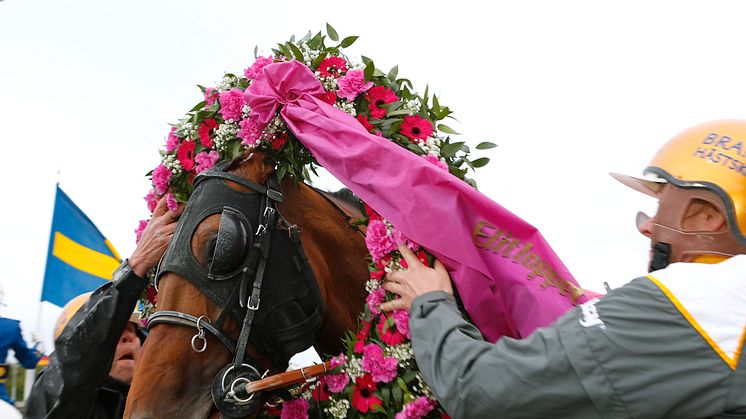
x=89, y=373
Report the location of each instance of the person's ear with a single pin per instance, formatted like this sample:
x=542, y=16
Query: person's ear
x=703, y=216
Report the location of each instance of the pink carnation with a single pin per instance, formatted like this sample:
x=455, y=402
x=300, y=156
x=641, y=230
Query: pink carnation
x=295, y=409
x=206, y=160
x=249, y=132
x=401, y=320
x=436, y=161
x=173, y=141
x=417, y=408
x=378, y=240
x=337, y=382
x=231, y=104
x=374, y=299
x=382, y=368
x=211, y=95
x=151, y=200
x=139, y=230
x=161, y=177
x=171, y=203
x=337, y=361
x=255, y=68
x=352, y=84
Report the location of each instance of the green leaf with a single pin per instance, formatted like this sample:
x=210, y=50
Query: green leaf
x=393, y=73
x=199, y=106
x=332, y=33
x=281, y=171
x=378, y=73
x=315, y=64
x=404, y=111
x=366, y=60
x=480, y=162
x=386, y=395
x=449, y=150
x=448, y=130
x=348, y=41
x=397, y=393
x=370, y=69
x=486, y=145
x=296, y=51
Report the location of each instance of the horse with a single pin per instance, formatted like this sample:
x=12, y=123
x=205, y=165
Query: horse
x=180, y=366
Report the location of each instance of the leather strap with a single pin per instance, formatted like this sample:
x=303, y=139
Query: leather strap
x=183, y=319
x=288, y=378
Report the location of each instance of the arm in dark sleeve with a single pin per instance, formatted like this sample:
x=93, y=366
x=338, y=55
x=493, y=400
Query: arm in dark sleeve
x=84, y=351
x=28, y=357
x=472, y=378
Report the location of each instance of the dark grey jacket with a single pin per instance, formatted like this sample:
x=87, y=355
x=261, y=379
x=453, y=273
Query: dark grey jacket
x=76, y=382
x=664, y=346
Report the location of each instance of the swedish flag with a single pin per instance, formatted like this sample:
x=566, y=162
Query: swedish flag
x=80, y=259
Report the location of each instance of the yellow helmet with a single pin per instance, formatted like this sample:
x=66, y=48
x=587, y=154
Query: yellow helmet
x=707, y=162
x=72, y=307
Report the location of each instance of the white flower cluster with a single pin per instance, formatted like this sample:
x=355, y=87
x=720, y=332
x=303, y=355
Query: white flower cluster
x=414, y=105
x=228, y=82
x=372, y=285
x=308, y=54
x=422, y=387
x=403, y=353
x=431, y=145
x=329, y=82
x=172, y=163
x=274, y=126
x=354, y=368
x=245, y=111
x=347, y=107
x=338, y=408
x=224, y=134
x=188, y=129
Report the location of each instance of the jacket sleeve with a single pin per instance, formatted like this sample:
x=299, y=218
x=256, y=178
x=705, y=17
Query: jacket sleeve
x=472, y=378
x=69, y=385
x=28, y=357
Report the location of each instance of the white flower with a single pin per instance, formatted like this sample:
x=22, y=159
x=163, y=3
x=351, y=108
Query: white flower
x=338, y=408
x=347, y=107
x=372, y=285
x=431, y=145
x=414, y=105
x=228, y=82
x=403, y=353
x=172, y=163
x=354, y=368
x=224, y=134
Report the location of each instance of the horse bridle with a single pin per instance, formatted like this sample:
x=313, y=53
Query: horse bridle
x=228, y=387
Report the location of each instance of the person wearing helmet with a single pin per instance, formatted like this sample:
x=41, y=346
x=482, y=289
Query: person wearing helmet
x=667, y=344
x=12, y=339
x=98, y=340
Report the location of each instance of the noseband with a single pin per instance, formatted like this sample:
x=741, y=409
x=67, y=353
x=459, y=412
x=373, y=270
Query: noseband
x=291, y=313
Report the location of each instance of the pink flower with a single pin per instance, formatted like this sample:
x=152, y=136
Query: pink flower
x=378, y=240
x=255, y=68
x=171, y=203
x=211, y=95
x=295, y=409
x=377, y=97
x=138, y=231
x=161, y=177
x=416, y=128
x=389, y=335
x=401, y=320
x=249, y=132
x=151, y=200
x=352, y=84
x=333, y=66
x=337, y=382
x=381, y=368
x=185, y=155
x=337, y=361
x=436, y=161
x=417, y=408
x=231, y=104
x=374, y=299
x=173, y=141
x=205, y=129
x=206, y=160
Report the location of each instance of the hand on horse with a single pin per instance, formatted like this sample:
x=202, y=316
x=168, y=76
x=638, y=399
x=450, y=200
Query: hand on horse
x=155, y=238
x=414, y=281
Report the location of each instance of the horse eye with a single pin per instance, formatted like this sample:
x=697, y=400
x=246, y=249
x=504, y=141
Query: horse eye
x=208, y=252
x=232, y=244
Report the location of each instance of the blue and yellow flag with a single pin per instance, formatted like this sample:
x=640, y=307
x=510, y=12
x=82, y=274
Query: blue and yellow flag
x=80, y=259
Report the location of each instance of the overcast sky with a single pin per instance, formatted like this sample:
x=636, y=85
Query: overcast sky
x=569, y=90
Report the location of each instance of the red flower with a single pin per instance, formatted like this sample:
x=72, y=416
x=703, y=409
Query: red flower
x=389, y=335
x=416, y=128
x=333, y=66
x=278, y=140
x=205, y=129
x=185, y=155
x=361, y=336
x=365, y=123
x=378, y=96
x=363, y=398
x=372, y=214
x=329, y=97
x=321, y=392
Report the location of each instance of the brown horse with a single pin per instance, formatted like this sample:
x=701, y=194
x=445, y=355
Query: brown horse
x=172, y=379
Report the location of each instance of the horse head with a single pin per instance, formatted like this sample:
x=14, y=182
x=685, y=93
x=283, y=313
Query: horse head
x=238, y=295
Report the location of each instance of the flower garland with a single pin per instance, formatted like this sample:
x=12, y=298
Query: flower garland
x=377, y=374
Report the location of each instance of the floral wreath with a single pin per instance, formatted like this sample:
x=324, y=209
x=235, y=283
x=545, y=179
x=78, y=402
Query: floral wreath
x=377, y=374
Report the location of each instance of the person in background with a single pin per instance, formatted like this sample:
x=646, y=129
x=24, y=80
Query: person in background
x=668, y=344
x=11, y=339
x=89, y=373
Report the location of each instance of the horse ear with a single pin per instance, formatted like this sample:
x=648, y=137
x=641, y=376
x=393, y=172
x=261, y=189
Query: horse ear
x=255, y=166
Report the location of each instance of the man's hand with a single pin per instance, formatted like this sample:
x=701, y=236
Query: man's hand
x=155, y=238
x=416, y=280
